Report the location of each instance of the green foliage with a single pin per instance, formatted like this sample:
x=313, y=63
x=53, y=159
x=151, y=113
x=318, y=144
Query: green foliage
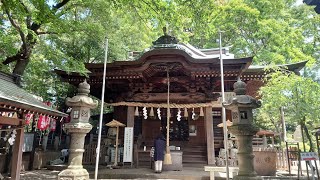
x=274, y=32
x=300, y=97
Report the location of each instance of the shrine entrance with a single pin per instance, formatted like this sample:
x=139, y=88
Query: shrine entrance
x=179, y=130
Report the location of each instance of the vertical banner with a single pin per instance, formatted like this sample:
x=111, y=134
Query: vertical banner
x=128, y=144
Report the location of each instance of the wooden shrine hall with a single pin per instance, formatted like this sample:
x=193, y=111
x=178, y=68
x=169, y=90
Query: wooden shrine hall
x=15, y=105
x=137, y=89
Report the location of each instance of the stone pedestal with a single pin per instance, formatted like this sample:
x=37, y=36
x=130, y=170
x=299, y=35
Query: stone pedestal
x=265, y=162
x=244, y=134
x=78, y=128
x=75, y=170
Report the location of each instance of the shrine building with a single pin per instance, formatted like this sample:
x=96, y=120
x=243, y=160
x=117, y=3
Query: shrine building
x=138, y=90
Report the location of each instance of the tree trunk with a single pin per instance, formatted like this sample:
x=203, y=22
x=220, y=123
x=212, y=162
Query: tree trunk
x=308, y=136
x=22, y=58
x=20, y=66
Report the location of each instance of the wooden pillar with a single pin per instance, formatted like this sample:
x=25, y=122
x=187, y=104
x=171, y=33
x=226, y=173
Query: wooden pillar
x=130, y=116
x=210, y=135
x=16, y=160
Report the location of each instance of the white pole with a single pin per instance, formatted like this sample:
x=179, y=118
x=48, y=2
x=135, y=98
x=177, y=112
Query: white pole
x=225, y=130
x=101, y=110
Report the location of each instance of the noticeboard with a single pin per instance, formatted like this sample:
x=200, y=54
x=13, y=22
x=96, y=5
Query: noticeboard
x=128, y=144
x=309, y=156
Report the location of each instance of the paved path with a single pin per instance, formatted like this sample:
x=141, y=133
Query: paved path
x=188, y=173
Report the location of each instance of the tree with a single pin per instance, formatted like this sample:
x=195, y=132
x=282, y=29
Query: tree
x=39, y=37
x=28, y=21
x=300, y=96
x=66, y=34
x=270, y=31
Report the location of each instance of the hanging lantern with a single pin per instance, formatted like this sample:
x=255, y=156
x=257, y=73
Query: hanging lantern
x=185, y=112
x=151, y=114
x=145, y=114
x=201, y=112
x=136, y=113
x=159, y=113
x=179, y=115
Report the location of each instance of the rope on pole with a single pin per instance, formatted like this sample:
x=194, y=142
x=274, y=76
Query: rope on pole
x=167, y=157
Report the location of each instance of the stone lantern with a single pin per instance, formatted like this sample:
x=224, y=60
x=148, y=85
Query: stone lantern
x=78, y=127
x=244, y=129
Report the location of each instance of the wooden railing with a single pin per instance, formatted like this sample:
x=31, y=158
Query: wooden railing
x=257, y=141
x=89, y=155
x=282, y=161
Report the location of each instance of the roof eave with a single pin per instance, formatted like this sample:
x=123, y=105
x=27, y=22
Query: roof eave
x=31, y=107
x=292, y=67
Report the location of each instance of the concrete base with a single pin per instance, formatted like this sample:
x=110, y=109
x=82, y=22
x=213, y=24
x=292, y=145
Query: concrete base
x=73, y=174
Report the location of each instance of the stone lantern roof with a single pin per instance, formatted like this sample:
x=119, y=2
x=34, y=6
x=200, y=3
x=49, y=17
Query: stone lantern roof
x=241, y=99
x=82, y=98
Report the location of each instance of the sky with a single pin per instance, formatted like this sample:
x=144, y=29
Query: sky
x=298, y=2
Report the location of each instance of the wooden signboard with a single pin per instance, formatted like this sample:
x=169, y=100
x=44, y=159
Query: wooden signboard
x=128, y=144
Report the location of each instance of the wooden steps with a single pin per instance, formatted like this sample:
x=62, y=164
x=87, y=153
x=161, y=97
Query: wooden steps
x=194, y=156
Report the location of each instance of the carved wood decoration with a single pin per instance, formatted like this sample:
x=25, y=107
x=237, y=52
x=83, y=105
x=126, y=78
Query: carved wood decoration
x=144, y=80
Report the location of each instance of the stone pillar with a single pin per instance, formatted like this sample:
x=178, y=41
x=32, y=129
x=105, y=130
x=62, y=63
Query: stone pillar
x=78, y=128
x=244, y=129
x=244, y=134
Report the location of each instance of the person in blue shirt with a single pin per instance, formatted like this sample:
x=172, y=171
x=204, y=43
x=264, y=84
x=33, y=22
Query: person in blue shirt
x=159, y=151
